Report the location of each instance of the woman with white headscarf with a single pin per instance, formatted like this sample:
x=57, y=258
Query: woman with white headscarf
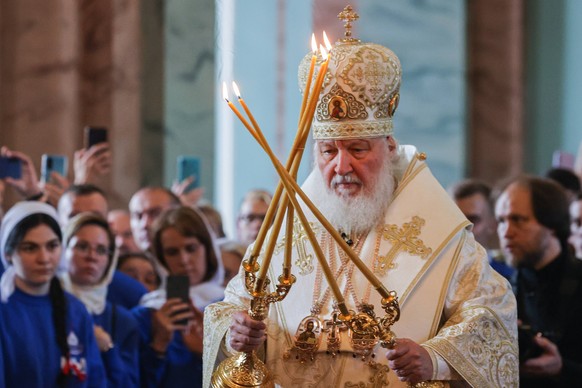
x=171, y=328
x=46, y=335
x=90, y=260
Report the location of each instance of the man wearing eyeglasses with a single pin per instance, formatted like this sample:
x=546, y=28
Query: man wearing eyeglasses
x=251, y=215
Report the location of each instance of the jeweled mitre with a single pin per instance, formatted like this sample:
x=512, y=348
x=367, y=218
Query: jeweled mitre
x=360, y=92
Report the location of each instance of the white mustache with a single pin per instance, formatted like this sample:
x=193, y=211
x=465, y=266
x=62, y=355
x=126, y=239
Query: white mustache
x=349, y=178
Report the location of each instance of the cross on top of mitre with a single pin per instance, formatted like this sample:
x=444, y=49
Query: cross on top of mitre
x=348, y=16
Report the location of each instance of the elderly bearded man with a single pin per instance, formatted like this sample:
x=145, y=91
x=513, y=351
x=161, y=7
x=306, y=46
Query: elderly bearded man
x=458, y=316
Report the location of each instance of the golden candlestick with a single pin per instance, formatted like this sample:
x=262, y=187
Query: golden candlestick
x=246, y=370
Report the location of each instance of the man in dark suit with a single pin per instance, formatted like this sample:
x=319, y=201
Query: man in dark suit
x=533, y=228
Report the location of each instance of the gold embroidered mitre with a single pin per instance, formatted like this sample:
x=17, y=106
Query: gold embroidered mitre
x=361, y=88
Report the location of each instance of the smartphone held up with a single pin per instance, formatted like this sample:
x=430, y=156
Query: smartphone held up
x=10, y=168
x=189, y=166
x=178, y=286
x=53, y=163
x=95, y=135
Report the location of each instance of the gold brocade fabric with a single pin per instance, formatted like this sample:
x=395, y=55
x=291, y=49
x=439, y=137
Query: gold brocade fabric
x=452, y=303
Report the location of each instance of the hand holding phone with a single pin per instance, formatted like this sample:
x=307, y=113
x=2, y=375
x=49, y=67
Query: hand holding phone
x=178, y=286
x=527, y=346
x=189, y=166
x=27, y=184
x=91, y=163
x=50, y=163
x=10, y=167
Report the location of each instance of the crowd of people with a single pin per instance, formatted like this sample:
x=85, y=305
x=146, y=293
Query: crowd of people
x=487, y=278
x=99, y=276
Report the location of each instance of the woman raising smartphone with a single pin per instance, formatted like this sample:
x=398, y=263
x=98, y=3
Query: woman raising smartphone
x=46, y=335
x=171, y=328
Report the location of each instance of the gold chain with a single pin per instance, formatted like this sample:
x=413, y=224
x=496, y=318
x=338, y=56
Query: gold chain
x=347, y=267
x=326, y=241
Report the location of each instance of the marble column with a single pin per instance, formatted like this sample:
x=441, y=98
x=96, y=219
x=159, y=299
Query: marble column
x=495, y=76
x=66, y=64
x=189, y=87
x=110, y=59
x=39, y=80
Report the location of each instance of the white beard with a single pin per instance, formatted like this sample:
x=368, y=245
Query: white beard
x=358, y=214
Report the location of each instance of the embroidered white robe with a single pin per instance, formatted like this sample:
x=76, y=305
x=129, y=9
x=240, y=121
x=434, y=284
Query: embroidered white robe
x=451, y=301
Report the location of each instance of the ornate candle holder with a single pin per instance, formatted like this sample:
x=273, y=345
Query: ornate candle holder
x=366, y=330
x=246, y=370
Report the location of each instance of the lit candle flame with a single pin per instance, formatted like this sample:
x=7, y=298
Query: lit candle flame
x=326, y=41
x=313, y=44
x=224, y=91
x=236, y=90
x=323, y=51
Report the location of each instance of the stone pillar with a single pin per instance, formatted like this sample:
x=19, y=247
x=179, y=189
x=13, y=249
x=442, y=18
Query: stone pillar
x=495, y=91
x=39, y=80
x=66, y=64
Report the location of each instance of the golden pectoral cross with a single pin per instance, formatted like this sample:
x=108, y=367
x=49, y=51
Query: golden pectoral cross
x=403, y=239
x=334, y=326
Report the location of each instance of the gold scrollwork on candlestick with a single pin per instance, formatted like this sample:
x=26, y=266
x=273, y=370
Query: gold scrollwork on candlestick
x=246, y=369
x=364, y=333
x=391, y=308
x=366, y=330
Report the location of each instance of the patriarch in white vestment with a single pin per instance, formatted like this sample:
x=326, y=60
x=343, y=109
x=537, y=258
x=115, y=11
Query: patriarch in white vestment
x=457, y=325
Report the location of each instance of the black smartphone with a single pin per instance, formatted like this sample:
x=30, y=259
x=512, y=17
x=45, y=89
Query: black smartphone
x=50, y=163
x=10, y=167
x=527, y=347
x=95, y=135
x=178, y=286
x=189, y=166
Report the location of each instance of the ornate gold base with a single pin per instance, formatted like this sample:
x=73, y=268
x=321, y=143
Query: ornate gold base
x=242, y=371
